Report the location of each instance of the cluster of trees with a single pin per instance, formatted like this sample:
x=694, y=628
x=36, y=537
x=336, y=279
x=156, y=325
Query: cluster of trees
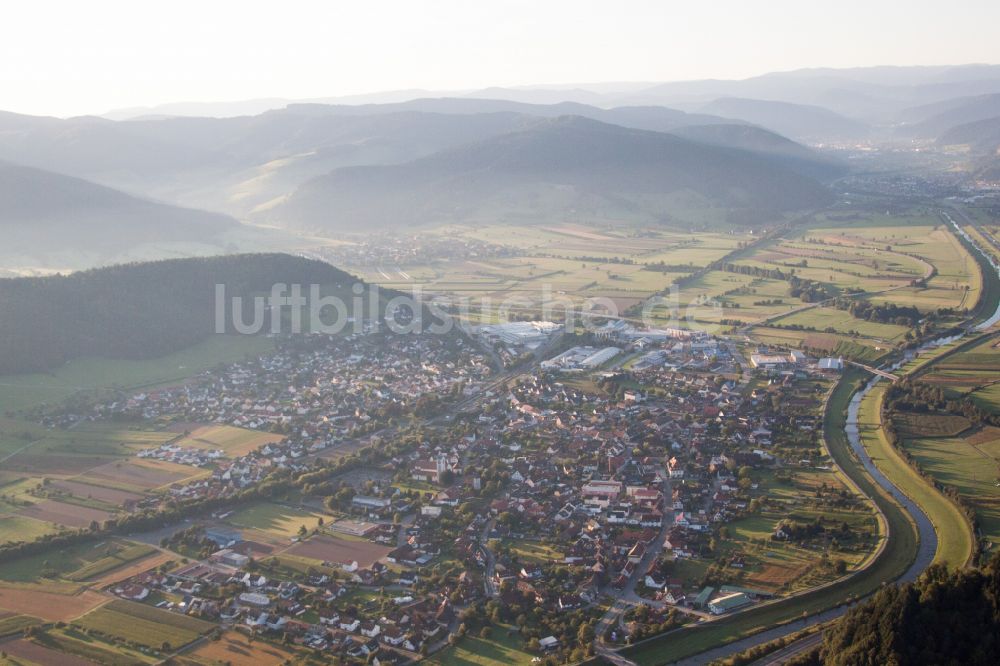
x=664, y=267
x=884, y=313
x=945, y=617
x=921, y=397
x=808, y=291
x=136, y=311
x=756, y=271
x=799, y=530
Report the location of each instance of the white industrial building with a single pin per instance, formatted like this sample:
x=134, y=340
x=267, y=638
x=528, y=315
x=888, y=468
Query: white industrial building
x=521, y=333
x=581, y=358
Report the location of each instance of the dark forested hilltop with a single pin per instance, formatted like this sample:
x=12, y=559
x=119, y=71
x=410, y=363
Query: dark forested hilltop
x=134, y=311
x=945, y=617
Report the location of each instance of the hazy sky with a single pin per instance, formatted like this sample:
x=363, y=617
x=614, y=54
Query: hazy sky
x=89, y=56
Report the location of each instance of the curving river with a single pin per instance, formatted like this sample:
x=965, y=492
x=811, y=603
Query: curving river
x=928, y=537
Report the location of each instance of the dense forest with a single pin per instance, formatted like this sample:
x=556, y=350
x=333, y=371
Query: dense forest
x=945, y=617
x=135, y=311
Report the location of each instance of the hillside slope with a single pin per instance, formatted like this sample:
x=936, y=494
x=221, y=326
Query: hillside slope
x=567, y=167
x=767, y=144
x=134, y=311
x=954, y=113
x=800, y=122
x=43, y=212
x=981, y=135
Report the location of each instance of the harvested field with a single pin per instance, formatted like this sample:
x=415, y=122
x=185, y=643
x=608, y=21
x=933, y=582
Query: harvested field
x=62, y=513
x=87, y=490
x=53, y=464
x=331, y=549
x=49, y=606
x=135, y=475
x=984, y=436
x=39, y=654
x=234, y=648
x=773, y=576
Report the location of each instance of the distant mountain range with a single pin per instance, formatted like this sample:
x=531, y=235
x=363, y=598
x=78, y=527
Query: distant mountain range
x=871, y=94
x=242, y=165
x=44, y=213
x=683, y=153
x=983, y=136
x=796, y=121
x=936, y=120
x=567, y=167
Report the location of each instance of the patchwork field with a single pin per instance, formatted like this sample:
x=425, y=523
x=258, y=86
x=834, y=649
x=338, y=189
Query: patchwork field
x=89, y=491
x=64, y=514
x=76, y=563
x=558, y=264
x=973, y=372
x=12, y=623
x=34, y=653
x=877, y=256
x=139, y=475
x=144, y=625
x=70, y=642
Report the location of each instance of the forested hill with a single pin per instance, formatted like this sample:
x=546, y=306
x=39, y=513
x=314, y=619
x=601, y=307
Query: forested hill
x=134, y=311
x=943, y=618
x=570, y=165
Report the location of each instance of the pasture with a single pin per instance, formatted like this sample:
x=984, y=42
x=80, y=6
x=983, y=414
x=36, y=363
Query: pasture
x=971, y=464
x=16, y=527
x=19, y=392
x=276, y=521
